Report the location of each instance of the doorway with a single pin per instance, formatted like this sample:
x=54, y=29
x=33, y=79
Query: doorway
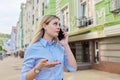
x=85, y=52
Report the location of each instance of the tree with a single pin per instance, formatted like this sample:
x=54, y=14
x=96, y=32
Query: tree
x=0, y=48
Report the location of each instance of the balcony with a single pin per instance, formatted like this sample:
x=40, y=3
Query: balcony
x=115, y=6
x=84, y=22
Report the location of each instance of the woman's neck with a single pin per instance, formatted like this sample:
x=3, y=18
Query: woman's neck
x=48, y=38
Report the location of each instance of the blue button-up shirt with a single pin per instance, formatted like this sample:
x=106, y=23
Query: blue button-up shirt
x=45, y=50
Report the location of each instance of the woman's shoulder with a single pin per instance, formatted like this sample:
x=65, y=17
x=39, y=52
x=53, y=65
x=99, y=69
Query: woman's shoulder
x=31, y=49
x=35, y=45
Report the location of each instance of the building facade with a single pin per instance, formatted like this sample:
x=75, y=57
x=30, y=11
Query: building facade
x=97, y=44
x=13, y=46
x=109, y=45
x=28, y=23
x=22, y=26
x=93, y=32
x=77, y=16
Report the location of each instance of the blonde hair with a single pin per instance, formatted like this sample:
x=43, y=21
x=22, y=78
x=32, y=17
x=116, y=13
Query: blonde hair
x=40, y=32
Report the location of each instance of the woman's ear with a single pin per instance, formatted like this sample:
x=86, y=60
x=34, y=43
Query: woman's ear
x=44, y=26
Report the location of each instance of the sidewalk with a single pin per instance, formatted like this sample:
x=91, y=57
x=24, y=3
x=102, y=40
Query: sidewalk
x=10, y=68
x=91, y=75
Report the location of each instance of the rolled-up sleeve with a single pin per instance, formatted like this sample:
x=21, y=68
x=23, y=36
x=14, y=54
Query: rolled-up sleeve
x=28, y=64
x=67, y=66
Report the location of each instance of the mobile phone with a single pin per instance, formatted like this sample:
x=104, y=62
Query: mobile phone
x=60, y=35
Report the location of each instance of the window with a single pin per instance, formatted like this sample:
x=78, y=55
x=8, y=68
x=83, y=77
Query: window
x=36, y=19
x=46, y=3
x=85, y=13
x=43, y=9
x=65, y=18
x=32, y=19
x=115, y=6
x=33, y=5
x=96, y=57
x=96, y=45
x=84, y=8
x=37, y=1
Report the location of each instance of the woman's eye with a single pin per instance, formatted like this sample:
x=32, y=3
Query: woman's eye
x=59, y=24
x=55, y=23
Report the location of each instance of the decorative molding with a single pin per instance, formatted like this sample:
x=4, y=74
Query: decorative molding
x=91, y=35
x=97, y=1
x=113, y=30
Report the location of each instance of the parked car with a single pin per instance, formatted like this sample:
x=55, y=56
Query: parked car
x=8, y=54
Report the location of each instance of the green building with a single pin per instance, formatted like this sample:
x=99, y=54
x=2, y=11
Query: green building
x=108, y=21
x=22, y=17
x=50, y=7
x=94, y=31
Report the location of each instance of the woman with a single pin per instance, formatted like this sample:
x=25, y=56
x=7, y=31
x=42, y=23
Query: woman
x=46, y=57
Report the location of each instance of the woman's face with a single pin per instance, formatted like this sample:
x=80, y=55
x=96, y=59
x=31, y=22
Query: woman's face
x=52, y=29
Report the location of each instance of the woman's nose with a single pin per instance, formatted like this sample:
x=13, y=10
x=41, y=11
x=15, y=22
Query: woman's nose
x=58, y=26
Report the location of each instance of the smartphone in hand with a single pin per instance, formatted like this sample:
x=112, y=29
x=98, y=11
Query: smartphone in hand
x=60, y=35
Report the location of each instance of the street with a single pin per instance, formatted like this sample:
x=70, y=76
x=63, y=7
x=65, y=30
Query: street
x=10, y=68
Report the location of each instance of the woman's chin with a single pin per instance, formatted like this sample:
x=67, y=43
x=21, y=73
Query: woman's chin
x=56, y=36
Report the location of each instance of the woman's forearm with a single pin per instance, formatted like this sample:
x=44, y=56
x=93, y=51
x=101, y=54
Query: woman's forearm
x=31, y=75
x=70, y=57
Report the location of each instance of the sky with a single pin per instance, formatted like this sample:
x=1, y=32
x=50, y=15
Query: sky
x=9, y=14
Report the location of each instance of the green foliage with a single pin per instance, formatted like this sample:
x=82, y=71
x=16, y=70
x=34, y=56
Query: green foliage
x=0, y=48
x=3, y=38
x=4, y=35
x=4, y=50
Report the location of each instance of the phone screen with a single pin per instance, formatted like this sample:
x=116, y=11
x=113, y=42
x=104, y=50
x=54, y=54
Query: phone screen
x=60, y=35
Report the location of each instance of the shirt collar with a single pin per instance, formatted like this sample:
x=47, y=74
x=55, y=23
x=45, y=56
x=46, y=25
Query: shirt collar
x=45, y=42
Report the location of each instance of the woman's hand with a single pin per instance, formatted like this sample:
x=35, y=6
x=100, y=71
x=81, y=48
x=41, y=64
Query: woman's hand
x=64, y=41
x=44, y=63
